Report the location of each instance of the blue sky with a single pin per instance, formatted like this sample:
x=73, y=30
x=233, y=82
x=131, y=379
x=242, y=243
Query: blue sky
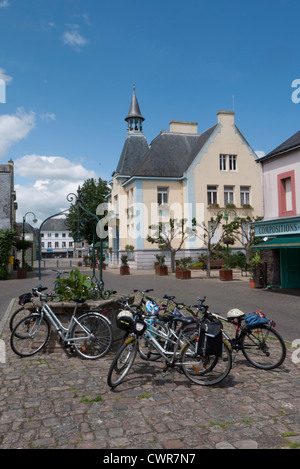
x=69, y=68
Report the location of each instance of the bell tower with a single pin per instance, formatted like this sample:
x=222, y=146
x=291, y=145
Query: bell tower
x=134, y=118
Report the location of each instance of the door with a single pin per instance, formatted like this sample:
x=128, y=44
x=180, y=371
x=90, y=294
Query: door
x=290, y=267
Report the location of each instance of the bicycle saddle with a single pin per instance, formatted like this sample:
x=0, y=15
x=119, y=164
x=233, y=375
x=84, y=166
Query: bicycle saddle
x=78, y=300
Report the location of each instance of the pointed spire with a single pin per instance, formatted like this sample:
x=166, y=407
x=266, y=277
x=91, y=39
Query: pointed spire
x=134, y=117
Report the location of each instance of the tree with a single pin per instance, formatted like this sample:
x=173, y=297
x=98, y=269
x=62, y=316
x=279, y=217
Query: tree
x=92, y=193
x=206, y=233
x=242, y=230
x=171, y=236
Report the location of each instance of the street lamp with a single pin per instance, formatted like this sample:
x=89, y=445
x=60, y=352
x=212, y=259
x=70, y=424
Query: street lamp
x=23, y=234
x=225, y=214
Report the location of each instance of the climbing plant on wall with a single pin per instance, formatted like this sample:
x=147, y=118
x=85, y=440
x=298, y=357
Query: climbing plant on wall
x=6, y=242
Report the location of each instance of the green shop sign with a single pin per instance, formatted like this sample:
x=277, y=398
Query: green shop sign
x=286, y=226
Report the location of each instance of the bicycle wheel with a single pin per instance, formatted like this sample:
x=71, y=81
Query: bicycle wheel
x=17, y=316
x=146, y=349
x=92, y=336
x=30, y=335
x=205, y=371
x=122, y=362
x=263, y=347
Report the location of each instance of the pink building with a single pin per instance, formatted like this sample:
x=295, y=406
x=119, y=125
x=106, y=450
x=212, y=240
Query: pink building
x=280, y=228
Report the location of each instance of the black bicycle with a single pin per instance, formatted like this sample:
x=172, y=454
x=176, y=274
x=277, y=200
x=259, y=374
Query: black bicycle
x=262, y=346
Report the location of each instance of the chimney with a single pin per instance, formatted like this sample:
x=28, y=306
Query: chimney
x=226, y=117
x=184, y=127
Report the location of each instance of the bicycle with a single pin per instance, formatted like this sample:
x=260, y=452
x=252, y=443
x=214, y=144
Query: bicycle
x=26, y=298
x=262, y=346
x=90, y=335
x=200, y=368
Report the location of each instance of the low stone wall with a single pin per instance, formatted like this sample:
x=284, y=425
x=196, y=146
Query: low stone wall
x=64, y=309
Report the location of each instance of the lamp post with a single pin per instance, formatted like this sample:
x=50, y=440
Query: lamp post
x=23, y=234
x=225, y=214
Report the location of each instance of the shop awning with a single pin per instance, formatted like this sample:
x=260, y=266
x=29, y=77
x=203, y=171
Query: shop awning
x=280, y=242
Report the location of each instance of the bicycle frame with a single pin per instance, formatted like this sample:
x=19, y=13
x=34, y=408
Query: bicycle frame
x=59, y=327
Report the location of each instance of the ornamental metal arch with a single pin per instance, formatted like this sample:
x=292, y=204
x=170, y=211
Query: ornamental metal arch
x=77, y=236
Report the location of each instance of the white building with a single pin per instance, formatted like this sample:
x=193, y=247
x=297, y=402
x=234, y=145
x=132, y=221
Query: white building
x=56, y=240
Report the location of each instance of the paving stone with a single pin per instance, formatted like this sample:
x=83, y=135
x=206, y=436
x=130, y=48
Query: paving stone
x=51, y=400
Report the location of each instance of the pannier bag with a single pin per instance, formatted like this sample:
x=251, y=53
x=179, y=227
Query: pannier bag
x=210, y=341
x=255, y=319
x=125, y=321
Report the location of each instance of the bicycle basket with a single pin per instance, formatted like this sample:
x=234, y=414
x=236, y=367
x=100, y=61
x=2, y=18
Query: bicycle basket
x=151, y=307
x=25, y=298
x=210, y=340
x=257, y=318
x=125, y=321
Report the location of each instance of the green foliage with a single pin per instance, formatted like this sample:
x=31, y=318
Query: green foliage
x=184, y=263
x=92, y=193
x=124, y=260
x=6, y=242
x=160, y=260
x=75, y=285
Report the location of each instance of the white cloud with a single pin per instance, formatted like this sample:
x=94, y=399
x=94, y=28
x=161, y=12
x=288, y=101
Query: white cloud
x=73, y=38
x=15, y=127
x=4, y=76
x=51, y=168
x=49, y=180
x=47, y=116
x=4, y=4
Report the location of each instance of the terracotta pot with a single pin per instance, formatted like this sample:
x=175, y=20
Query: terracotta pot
x=22, y=273
x=182, y=274
x=225, y=274
x=161, y=270
x=124, y=270
x=252, y=283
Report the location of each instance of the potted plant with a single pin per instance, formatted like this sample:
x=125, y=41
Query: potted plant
x=76, y=285
x=225, y=273
x=257, y=270
x=124, y=268
x=182, y=268
x=161, y=268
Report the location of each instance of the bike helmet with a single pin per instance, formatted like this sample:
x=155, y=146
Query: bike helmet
x=151, y=307
x=235, y=313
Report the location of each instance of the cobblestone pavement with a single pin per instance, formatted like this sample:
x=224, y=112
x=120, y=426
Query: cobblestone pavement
x=55, y=400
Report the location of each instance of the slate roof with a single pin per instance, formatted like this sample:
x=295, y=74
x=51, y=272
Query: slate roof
x=289, y=144
x=135, y=147
x=134, y=110
x=55, y=224
x=170, y=154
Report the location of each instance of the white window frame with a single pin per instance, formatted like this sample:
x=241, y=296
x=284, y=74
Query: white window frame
x=245, y=195
x=228, y=195
x=223, y=159
x=232, y=162
x=162, y=195
x=212, y=195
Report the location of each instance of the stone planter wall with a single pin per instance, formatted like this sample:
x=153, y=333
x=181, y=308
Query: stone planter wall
x=64, y=309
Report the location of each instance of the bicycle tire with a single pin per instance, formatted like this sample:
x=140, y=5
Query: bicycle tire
x=146, y=349
x=206, y=371
x=16, y=317
x=30, y=335
x=263, y=347
x=122, y=362
x=99, y=343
